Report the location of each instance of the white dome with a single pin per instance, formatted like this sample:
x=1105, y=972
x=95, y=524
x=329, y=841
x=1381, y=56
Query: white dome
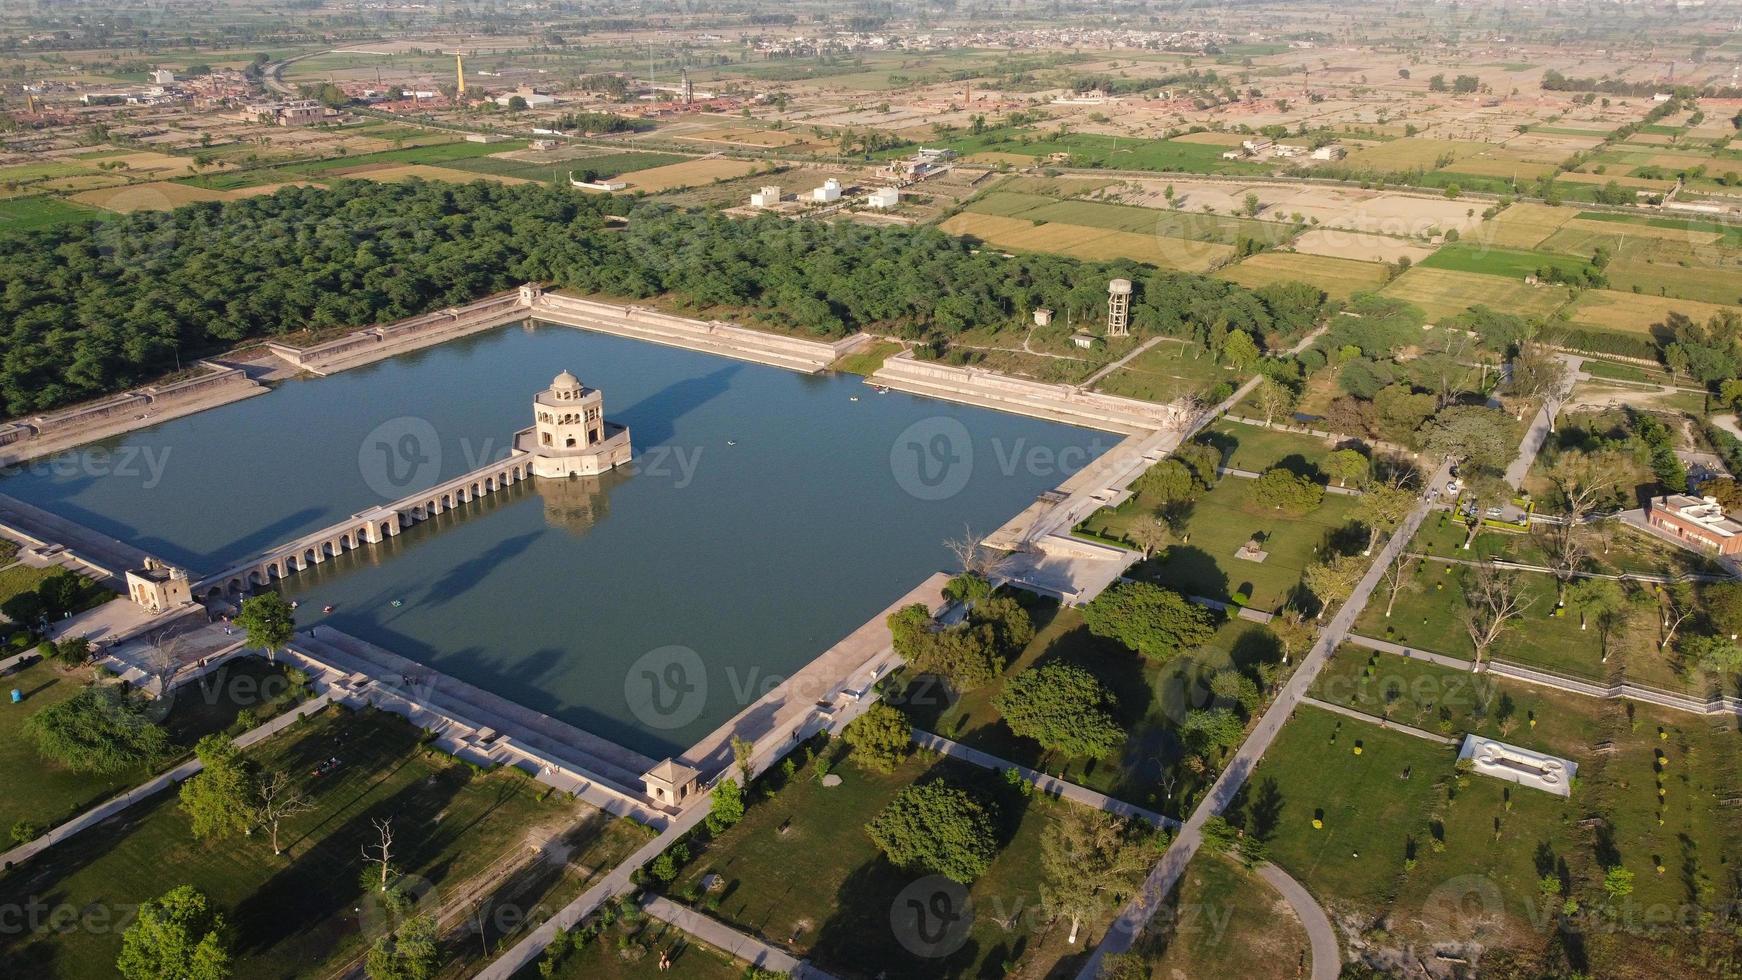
x=566, y=380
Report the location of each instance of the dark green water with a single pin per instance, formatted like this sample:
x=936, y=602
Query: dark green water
x=757, y=556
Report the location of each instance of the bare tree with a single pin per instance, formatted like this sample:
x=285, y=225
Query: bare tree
x=280, y=798
x=975, y=557
x=1582, y=482
x=1538, y=374
x=1492, y=600
x=1395, y=576
x=381, y=853
x=1273, y=398
x=1677, y=606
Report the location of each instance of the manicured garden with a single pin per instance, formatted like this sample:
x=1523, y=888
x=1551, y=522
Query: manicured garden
x=801, y=872
x=1253, y=448
x=1219, y=523
x=44, y=793
x=1151, y=700
x=300, y=913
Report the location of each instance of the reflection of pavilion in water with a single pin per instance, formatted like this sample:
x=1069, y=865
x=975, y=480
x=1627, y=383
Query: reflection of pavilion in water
x=577, y=503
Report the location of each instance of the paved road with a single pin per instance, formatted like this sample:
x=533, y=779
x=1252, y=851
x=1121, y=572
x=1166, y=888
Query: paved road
x=1166, y=873
x=1089, y=383
x=110, y=807
x=721, y=936
x=1618, y=577
x=1541, y=425
x=1327, y=957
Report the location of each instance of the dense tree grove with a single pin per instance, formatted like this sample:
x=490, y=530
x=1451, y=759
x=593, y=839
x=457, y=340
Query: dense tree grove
x=86, y=309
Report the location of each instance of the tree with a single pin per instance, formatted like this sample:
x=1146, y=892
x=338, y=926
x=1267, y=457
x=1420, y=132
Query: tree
x=1348, y=466
x=268, y=621
x=1064, y=708
x=516, y=103
x=1472, y=436
x=1292, y=493
x=277, y=798
x=725, y=806
x=1395, y=575
x=1334, y=579
x=937, y=828
x=176, y=936
x=1273, y=398
x=380, y=855
x=1384, y=507
x=1676, y=606
x=1492, y=600
x=1240, y=351
x=744, y=757
x=1202, y=459
x=1214, y=728
x=1537, y=373
x=102, y=729
x=1618, y=882
x=1156, y=622
x=410, y=952
x=881, y=737
x=1718, y=654
x=1294, y=632
x=1092, y=861
x=975, y=558
x=1723, y=603
x=1168, y=481
x=220, y=799
x=1149, y=533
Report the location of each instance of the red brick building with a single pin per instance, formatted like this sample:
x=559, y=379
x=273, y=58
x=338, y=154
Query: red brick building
x=1698, y=521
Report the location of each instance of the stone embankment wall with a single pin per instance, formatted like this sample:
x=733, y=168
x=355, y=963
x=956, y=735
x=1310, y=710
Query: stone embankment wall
x=148, y=405
x=710, y=336
x=384, y=340
x=1057, y=402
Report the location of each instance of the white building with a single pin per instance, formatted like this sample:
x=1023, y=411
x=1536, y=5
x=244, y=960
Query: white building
x=884, y=197
x=570, y=434
x=1333, y=151
x=163, y=76
x=828, y=193
x=767, y=197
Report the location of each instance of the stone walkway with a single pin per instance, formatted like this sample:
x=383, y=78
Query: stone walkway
x=1327, y=952
x=1049, y=784
x=721, y=936
x=110, y=807
x=1386, y=646
x=1377, y=721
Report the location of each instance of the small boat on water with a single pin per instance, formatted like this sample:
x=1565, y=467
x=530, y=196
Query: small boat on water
x=326, y=609
x=854, y=398
x=397, y=603
x=731, y=442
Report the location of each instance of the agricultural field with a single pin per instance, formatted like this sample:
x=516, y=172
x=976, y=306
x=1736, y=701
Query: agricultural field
x=1608, y=309
x=1087, y=242
x=1356, y=246
x=687, y=174
x=159, y=196
x=32, y=213
x=1339, y=278
x=389, y=172
x=1443, y=293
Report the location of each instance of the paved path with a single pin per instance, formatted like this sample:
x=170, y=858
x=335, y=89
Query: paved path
x=1327, y=955
x=1386, y=646
x=721, y=936
x=1166, y=873
x=116, y=804
x=1542, y=424
x=1504, y=562
x=1050, y=784
x=1377, y=721
x=1089, y=382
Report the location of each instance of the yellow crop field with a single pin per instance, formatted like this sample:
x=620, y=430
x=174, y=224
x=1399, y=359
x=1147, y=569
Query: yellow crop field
x=163, y=196
x=1634, y=183
x=1339, y=278
x=1443, y=293
x=1608, y=309
x=1084, y=242
x=686, y=174
x=162, y=164
x=1409, y=153
x=1502, y=167
x=1521, y=226
x=406, y=171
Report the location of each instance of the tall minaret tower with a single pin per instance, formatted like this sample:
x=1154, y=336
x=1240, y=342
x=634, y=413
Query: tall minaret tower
x=459, y=74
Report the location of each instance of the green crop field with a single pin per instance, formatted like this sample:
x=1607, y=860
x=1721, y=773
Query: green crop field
x=31, y=213
x=1511, y=263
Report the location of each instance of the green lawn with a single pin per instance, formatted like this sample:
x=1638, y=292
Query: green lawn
x=1152, y=697
x=33, y=213
x=869, y=360
x=1191, y=225
x=1169, y=370
x=45, y=793
x=1428, y=615
x=1225, y=921
x=1371, y=813
x=1254, y=448
x=293, y=916
x=1615, y=548
x=1218, y=523
x=605, y=957
x=1113, y=153
x=1457, y=702
x=800, y=872
x=1732, y=234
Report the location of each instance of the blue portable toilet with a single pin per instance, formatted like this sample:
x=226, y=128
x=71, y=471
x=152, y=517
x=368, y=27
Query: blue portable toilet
x=17, y=696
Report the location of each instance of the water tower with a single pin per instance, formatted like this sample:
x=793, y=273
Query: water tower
x=1119, y=308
